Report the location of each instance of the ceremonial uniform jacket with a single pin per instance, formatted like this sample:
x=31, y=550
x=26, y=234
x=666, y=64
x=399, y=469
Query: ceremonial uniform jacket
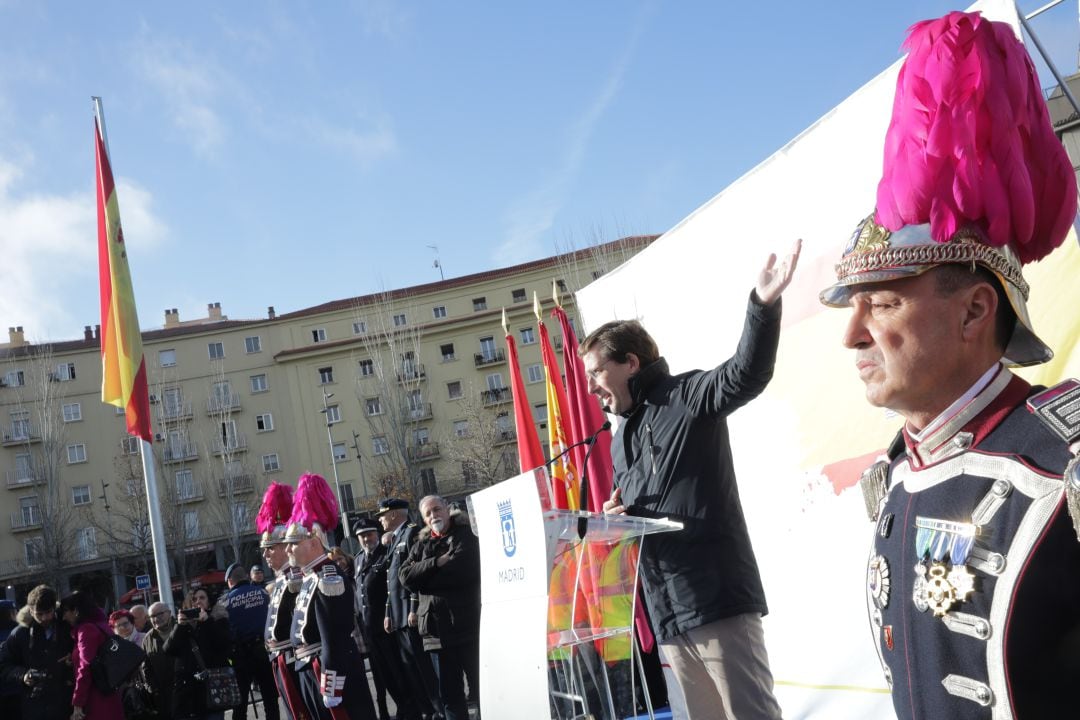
x=672, y=458
x=400, y=601
x=371, y=592
x=276, y=634
x=973, y=585
x=323, y=622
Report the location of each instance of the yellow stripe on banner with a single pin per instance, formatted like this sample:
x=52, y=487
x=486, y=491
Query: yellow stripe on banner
x=841, y=688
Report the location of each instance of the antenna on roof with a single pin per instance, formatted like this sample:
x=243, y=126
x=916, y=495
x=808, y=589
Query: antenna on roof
x=437, y=264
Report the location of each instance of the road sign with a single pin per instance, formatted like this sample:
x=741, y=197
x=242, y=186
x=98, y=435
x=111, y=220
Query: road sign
x=142, y=582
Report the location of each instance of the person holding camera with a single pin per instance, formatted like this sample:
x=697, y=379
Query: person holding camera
x=201, y=640
x=37, y=655
x=89, y=631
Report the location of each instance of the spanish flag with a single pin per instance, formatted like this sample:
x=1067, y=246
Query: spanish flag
x=123, y=376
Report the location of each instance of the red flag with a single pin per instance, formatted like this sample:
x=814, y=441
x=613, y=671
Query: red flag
x=123, y=368
x=530, y=454
x=564, y=475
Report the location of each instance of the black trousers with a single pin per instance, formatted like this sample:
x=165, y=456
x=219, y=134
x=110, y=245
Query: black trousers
x=252, y=664
x=419, y=671
x=455, y=664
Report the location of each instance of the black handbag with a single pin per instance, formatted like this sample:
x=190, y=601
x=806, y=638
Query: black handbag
x=222, y=688
x=116, y=661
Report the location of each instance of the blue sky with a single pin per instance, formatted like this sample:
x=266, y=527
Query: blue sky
x=291, y=153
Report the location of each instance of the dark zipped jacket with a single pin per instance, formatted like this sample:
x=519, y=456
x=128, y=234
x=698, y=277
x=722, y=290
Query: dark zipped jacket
x=672, y=458
x=449, y=613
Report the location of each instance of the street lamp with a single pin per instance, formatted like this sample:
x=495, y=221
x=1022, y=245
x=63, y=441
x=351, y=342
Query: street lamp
x=333, y=461
x=360, y=459
x=112, y=541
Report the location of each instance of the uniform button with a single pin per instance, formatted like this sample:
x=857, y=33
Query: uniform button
x=983, y=695
x=963, y=440
x=1001, y=488
x=982, y=629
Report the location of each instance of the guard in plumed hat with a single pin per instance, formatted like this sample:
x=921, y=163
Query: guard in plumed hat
x=271, y=524
x=332, y=677
x=973, y=584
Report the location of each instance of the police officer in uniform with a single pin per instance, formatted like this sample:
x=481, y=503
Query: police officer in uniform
x=248, y=605
x=371, y=563
x=402, y=606
x=973, y=584
x=271, y=523
x=333, y=681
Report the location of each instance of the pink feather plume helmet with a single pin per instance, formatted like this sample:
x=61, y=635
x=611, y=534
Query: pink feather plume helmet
x=973, y=173
x=314, y=512
x=273, y=517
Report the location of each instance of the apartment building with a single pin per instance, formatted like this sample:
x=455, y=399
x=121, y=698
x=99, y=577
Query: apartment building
x=398, y=393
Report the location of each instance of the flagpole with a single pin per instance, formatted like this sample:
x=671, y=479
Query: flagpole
x=153, y=506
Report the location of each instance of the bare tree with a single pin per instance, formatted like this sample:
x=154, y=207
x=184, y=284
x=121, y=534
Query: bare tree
x=37, y=422
x=581, y=263
x=391, y=387
x=482, y=442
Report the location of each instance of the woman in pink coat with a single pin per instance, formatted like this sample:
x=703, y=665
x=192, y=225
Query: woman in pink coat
x=89, y=629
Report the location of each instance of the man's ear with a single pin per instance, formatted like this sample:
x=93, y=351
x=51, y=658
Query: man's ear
x=980, y=311
x=634, y=362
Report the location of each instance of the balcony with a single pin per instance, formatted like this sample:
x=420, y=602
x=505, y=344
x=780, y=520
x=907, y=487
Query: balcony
x=29, y=518
x=236, y=484
x=426, y=451
x=496, y=396
x=190, y=491
x=20, y=433
x=177, y=411
x=21, y=478
x=217, y=404
x=493, y=357
x=412, y=373
x=175, y=452
x=502, y=437
x=415, y=414
x=237, y=442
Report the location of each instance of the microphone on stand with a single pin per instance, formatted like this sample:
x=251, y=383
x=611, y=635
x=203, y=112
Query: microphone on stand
x=583, y=521
x=587, y=441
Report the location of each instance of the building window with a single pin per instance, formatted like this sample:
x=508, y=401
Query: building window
x=487, y=348
x=326, y=375
x=129, y=445
x=540, y=413
x=379, y=446
x=264, y=422
x=536, y=373
x=85, y=544
x=253, y=344
x=185, y=485
x=479, y=304
x=359, y=327
x=191, y=525
x=468, y=473
x=373, y=406
x=597, y=274
x=76, y=453
x=318, y=335
x=216, y=350
x=461, y=428
x=271, y=463
x=333, y=415
x=258, y=383
x=439, y=311
x=65, y=372
x=339, y=452
x=421, y=436
x=34, y=551
x=427, y=481
x=399, y=320
x=518, y=295
x=453, y=389
x=80, y=495
x=14, y=378
x=367, y=368
x=561, y=285
x=166, y=358
x=348, y=504
x=528, y=336
x=24, y=471
x=494, y=381
x=72, y=412
x=447, y=352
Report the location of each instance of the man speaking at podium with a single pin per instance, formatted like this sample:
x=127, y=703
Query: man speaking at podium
x=672, y=458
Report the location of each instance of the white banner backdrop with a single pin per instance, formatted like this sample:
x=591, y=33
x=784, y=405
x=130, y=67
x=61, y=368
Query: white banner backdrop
x=800, y=447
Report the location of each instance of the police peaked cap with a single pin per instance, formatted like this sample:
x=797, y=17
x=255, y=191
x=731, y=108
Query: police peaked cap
x=389, y=504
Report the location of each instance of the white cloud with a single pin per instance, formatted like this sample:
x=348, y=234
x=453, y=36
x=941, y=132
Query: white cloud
x=365, y=146
x=533, y=215
x=190, y=85
x=384, y=17
x=48, y=246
